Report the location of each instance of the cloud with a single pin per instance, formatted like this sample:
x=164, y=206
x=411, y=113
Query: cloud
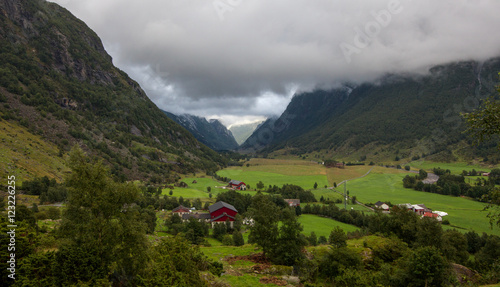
x=246, y=57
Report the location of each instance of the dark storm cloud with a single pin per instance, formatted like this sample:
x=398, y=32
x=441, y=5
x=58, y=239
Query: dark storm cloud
x=246, y=57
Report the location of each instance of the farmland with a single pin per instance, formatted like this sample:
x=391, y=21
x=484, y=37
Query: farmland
x=381, y=184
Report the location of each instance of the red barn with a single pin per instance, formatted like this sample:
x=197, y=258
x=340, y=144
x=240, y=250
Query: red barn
x=235, y=184
x=181, y=210
x=221, y=211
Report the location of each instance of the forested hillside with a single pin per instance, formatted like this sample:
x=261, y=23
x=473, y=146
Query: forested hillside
x=59, y=86
x=400, y=112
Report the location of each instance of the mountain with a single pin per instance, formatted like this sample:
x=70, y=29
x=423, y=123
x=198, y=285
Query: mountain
x=415, y=114
x=211, y=133
x=243, y=131
x=58, y=88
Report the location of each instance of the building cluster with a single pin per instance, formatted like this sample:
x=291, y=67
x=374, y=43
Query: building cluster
x=419, y=209
x=219, y=212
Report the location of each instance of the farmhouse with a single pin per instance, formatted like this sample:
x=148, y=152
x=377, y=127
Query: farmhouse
x=433, y=215
x=221, y=211
x=235, y=184
x=181, y=210
x=381, y=205
x=292, y=202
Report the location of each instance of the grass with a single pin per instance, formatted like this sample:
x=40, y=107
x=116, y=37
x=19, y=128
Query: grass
x=26, y=155
x=321, y=225
x=337, y=175
x=252, y=177
x=463, y=213
x=219, y=252
x=455, y=167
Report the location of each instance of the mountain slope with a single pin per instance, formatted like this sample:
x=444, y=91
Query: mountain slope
x=242, y=132
x=418, y=113
x=211, y=133
x=58, y=82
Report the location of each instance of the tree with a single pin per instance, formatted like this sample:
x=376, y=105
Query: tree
x=34, y=208
x=313, y=239
x=426, y=267
x=209, y=189
x=291, y=242
x=238, y=238
x=298, y=210
x=337, y=237
x=483, y=123
x=171, y=192
x=454, y=246
x=315, y=185
x=177, y=263
x=99, y=221
x=264, y=231
x=260, y=185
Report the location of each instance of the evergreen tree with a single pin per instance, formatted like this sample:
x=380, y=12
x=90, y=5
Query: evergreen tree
x=337, y=238
x=238, y=239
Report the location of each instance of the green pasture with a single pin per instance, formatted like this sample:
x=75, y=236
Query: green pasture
x=326, y=193
x=252, y=177
x=321, y=225
x=219, y=252
x=463, y=213
x=454, y=167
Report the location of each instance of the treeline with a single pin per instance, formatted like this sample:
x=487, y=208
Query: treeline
x=449, y=184
x=411, y=237
x=292, y=191
x=101, y=239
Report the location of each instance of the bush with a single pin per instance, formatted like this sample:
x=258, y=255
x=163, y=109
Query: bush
x=227, y=240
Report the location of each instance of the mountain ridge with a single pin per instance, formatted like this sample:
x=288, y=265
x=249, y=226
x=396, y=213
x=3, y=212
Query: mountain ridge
x=58, y=82
x=417, y=113
x=212, y=133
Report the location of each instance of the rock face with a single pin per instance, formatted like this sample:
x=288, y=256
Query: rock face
x=211, y=133
x=58, y=44
x=55, y=72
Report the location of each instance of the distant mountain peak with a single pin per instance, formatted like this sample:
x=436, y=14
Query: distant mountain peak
x=211, y=132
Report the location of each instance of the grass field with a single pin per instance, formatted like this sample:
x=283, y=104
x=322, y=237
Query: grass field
x=463, y=213
x=252, y=177
x=322, y=226
x=299, y=172
x=455, y=168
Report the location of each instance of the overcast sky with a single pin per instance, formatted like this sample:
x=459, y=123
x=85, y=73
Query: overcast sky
x=244, y=59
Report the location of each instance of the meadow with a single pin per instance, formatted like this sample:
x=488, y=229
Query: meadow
x=322, y=226
x=455, y=167
x=464, y=214
x=381, y=184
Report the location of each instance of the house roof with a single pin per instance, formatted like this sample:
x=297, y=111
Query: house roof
x=220, y=204
x=179, y=208
x=418, y=207
x=379, y=203
x=236, y=182
x=292, y=201
x=430, y=214
x=222, y=215
x=423, y=206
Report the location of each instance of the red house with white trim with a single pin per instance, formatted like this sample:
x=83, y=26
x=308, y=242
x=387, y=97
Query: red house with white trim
x=235, y=184
x=221, y=211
